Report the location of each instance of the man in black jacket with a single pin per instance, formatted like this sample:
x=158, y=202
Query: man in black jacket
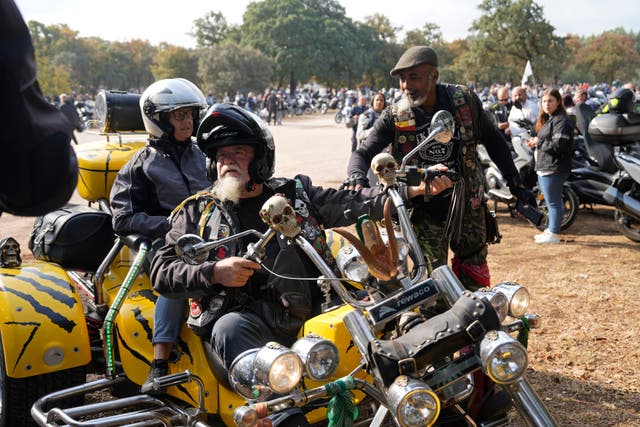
x=404, y=125
x=257, y=306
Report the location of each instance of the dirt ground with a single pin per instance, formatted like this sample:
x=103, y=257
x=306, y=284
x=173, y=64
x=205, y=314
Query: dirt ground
x=584, y=360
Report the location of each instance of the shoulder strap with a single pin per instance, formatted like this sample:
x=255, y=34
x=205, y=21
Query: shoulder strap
x=460, y=97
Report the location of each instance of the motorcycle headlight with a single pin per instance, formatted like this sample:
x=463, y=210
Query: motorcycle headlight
x=319, y=356
x=351, y=264
x=517, y=295
x=278, y=367
x=504, y=359
x=243, y=380
x=412, y=402
x=498, y=300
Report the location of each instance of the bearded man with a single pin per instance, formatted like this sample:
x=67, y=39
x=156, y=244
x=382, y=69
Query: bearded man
x=456, y=218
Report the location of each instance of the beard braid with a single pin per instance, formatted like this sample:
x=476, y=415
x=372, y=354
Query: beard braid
x=228, y=189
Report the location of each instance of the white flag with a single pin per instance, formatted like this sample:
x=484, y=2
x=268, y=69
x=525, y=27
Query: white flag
x=527, y=73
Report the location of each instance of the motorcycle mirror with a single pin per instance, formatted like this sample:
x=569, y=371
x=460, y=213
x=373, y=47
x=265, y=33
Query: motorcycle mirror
x=187, y=251
x=443, y=120
x=442, y=126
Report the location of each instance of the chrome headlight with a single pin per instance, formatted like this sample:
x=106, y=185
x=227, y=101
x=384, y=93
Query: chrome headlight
x=517, y=295
x=278, y=367
x=319, y=356
x=412, y=402
x=498, y=300
x=243, y=380
x=351, y=264
x=504, y=359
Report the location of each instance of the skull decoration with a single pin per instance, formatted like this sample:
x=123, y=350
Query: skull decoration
x=278, y=214
x=10, y=255
x=384, y=167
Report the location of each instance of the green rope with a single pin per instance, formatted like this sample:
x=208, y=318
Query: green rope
x=342, y=409
x=523, y=334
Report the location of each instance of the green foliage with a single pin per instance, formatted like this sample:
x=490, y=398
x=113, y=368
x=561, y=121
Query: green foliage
x=308, y=38
x=610, y=56
x=210, y=29
x=174, y=61
x=292, y=42
x=229, y=67
x=508, y=34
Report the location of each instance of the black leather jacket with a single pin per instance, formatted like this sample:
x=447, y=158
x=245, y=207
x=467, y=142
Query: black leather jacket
x=553, y=152
x=282, y=304
x=152, y=183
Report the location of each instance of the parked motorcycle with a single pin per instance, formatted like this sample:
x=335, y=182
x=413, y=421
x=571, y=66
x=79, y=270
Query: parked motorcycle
x=420, y=369
x=622, y=132
x=496, y=188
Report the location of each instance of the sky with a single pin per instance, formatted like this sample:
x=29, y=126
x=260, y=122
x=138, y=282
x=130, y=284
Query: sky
x=171, y=20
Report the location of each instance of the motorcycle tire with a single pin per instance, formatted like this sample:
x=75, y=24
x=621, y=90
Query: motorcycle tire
x=570, y=203
x=308, y=110
x=17, y=395
x=338, y=117
x=627, y=225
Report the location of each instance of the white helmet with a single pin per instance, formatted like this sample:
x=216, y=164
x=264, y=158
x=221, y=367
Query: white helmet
x=168, y=95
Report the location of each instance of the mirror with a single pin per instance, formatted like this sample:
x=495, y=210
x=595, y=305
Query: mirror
x=443, y=120
x=187, y=251
x=442, y=126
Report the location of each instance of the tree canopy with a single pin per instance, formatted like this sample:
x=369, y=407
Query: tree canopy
x=293, y=42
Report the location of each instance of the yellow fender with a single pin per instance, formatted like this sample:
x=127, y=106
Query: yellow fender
x=134, y=331
x=42, y=323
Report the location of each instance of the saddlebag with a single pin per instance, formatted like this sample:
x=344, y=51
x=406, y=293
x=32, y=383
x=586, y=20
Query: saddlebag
x=74, y=236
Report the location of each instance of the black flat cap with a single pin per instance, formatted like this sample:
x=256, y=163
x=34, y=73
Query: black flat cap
x=413, y=56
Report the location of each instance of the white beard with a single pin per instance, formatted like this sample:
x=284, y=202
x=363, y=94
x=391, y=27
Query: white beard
x=228, y=189
x=406, y=102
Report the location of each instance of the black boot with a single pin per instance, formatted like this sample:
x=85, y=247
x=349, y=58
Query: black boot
x=159, y=368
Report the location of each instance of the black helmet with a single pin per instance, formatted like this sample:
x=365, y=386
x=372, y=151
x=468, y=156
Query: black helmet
x=228, y=124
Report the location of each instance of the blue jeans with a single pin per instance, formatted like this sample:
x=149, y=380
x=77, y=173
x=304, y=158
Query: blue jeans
x=551, y=186
x=169, y=315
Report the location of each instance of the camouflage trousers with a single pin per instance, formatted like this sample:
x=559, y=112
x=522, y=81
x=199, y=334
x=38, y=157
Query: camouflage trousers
x=469, y=246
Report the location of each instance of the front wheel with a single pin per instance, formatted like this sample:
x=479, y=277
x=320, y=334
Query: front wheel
x=17, y=395
x=570, y=203
x=627, y=225
x=338, y=117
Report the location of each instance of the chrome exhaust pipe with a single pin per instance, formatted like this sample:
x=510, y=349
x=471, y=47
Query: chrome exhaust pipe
x=623, y=202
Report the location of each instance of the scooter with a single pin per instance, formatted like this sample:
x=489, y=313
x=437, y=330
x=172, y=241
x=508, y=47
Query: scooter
x=622, y=132
x=496, y=188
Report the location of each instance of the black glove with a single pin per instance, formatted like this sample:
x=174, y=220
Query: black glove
x=356, y=178
x=525, y=196
x=527, y=205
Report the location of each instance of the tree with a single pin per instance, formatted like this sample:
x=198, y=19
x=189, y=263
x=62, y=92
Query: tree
x=210, y=29
x=508, y=34
x=229, y=68
x=303, y=37
x=175, y=61
x=429, y=35
x=609, y=57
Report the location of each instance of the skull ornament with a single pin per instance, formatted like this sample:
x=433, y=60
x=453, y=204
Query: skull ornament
x=10, y=255
x=384, y=167
x=278, y=214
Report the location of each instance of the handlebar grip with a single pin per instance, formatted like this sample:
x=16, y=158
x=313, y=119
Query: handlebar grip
x=430, y=174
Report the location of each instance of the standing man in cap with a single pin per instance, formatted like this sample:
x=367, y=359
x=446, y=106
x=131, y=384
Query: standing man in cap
x=404, y=125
